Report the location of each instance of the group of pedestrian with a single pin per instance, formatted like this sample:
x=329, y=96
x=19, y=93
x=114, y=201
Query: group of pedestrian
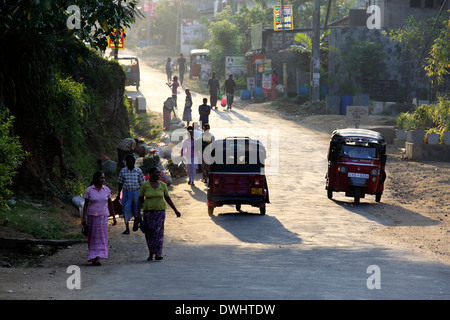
x=152, y=195
x=193, y=150
x=214, y=90
x=137, y=193
x=180, y=65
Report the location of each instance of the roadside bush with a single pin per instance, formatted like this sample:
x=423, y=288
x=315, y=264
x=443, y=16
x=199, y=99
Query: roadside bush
x=11, y=155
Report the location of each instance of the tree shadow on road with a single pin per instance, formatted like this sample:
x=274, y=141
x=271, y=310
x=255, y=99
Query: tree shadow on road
x=255, y=228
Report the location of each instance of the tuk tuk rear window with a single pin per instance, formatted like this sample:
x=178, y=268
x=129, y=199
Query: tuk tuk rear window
x=359, y=152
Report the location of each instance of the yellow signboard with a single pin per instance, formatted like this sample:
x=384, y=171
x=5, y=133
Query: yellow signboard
x=282, y=18
x=121, y=40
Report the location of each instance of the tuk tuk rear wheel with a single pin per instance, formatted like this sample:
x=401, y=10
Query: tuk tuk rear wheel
x=210, y=210
x=238, y=207
x=357, y=195
x=262, y=210
x=378, y=196
x=330, y=193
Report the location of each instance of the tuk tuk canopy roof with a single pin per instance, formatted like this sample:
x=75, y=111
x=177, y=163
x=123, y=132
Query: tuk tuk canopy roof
x=199, y=52
x=357, y=133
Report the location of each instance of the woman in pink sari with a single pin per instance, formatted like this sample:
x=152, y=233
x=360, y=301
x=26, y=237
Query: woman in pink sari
x=97, y=208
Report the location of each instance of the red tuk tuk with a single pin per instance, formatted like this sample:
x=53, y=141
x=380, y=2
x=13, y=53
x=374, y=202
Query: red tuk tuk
x=356, y=164
x=197, y=57
x=237, y=174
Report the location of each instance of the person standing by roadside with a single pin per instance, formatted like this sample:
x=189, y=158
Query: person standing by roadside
x=273, y=91
x=189, y=151
x=174, y=85
x=187, y=113
x=125, y=147
x=97, y=208
x=204, y=110
x=214, y=90
x=130, y=180
x=169, y=69
x=229, y=87
x=153, y=196
x=181, y=63
x=206, y=138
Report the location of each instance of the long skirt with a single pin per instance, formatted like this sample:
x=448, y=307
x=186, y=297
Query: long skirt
x=187, y=114
x=97, y=237
x=166, y=117
x=154, y=230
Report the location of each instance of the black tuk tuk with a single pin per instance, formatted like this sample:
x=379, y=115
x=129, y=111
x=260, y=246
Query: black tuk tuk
x=131, y=64
x=356, y=164
x=237, y=174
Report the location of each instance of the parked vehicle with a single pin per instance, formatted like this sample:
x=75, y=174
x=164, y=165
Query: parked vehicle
x=356, y=164
x=197, y=57
x=131, y=64
x=237, y=174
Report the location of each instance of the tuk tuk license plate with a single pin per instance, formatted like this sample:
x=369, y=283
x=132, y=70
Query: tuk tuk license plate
x=358, y=175
x=256, y=190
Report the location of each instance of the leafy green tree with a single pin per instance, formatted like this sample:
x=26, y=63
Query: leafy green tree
x=438, y=64
x=225, y=40
x=11, y=156
x=49, y=19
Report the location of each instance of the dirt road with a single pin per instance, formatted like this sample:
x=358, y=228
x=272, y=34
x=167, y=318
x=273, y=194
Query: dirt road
x=305, y=247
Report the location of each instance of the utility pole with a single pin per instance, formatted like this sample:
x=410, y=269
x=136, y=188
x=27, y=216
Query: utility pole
x=177, y=32
x=283, y=38
x=315, y=68
x=116, y=40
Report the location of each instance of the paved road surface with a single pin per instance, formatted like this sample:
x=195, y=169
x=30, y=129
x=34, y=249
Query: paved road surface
x=306, y=247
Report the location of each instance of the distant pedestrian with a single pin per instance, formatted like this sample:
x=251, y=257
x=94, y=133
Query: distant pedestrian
x=214, y=90
x=168, y=107
x=97, y=208
x=130, y=180
x=169, y=68
x=204, y=110
x=191, y=153
x=174, y=85
x=125, y=147
x=187, y=113
x=229, y=87
x=181, y=63
x=206, y=138
x=153, y=196
x=273, y=91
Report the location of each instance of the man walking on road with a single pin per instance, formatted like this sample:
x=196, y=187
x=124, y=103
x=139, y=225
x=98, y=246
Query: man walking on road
x=214, y=88
x=181, y=63
x=229, y=86
x=130, y=180
x=204, y=110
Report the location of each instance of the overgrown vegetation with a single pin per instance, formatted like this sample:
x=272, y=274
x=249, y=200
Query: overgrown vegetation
x=67, y=102
x=11, y=156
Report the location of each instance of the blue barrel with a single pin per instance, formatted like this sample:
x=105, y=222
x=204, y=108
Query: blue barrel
x=257, y=92
x=302, y=90
x=324, y=90
x=245, y=95
x=362, y=99
x=346, y=100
